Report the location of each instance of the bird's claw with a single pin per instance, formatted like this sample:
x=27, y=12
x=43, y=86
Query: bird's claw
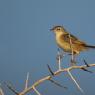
x=73, y=62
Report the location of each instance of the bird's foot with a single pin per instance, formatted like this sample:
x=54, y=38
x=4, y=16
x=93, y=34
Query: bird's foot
x=73, y=62
x=59, y=69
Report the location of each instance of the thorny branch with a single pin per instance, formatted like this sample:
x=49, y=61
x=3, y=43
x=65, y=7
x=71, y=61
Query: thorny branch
x=48, y=77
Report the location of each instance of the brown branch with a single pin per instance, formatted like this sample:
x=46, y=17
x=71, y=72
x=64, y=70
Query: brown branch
x=48, y=77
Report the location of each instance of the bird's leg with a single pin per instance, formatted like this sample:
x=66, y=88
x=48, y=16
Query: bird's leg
x=73, y=61
x=72, y=52
x=60, y=55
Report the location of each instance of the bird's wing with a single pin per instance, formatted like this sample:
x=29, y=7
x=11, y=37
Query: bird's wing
x=74, y=39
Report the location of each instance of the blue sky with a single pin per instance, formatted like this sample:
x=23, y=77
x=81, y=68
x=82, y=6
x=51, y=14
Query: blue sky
x=28, y=45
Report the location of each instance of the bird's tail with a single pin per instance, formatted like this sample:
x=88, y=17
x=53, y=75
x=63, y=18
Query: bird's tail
x=89, y=46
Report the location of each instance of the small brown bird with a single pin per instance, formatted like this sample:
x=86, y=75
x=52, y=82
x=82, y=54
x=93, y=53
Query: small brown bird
x=63, y=39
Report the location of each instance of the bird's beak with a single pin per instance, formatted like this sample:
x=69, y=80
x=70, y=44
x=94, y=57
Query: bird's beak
x=51, y=29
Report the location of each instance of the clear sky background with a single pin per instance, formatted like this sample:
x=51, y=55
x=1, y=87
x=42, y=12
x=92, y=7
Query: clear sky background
x=28, y=45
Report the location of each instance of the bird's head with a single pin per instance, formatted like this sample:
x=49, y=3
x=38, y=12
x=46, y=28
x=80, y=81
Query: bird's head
x=58, y=29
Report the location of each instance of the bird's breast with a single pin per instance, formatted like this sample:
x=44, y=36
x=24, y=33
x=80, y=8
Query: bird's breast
x=62, y=43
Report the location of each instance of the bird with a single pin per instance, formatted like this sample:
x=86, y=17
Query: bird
x=68, y=42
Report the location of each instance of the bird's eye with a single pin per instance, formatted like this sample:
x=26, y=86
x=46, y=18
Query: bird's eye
x=58, y=29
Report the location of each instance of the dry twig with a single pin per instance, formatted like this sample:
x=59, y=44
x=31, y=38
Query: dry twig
x=56, y=73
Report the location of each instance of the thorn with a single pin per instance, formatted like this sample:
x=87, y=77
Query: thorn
x=86, y=63
x=11, y=88
x=56, y=83
x=75, y=81
x=27, y=80
x=50, y=70
x=38, y=93
x=84, y=69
